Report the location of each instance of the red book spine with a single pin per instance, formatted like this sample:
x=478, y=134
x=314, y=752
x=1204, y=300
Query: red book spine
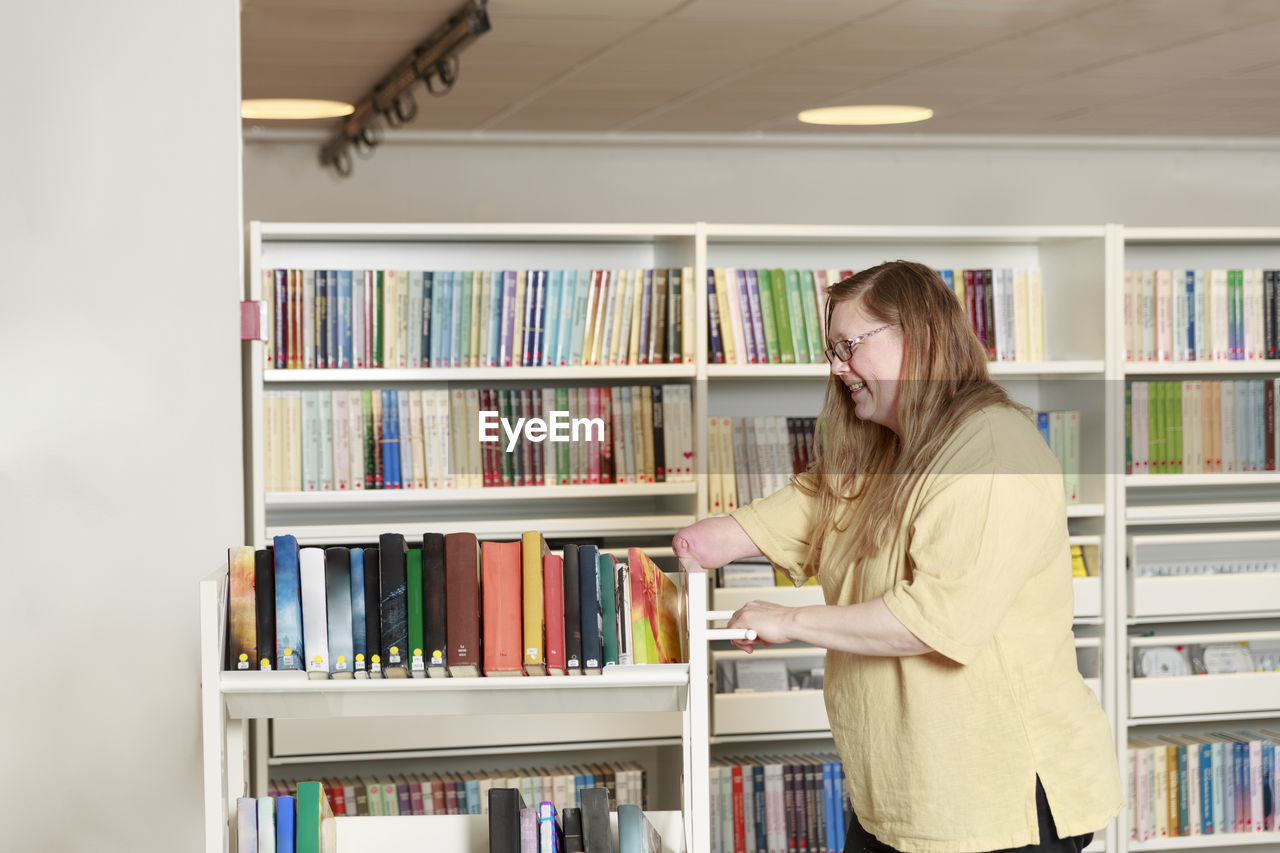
x=553, y=604
x=501, y=590
x=606, y=451
x=739, y=819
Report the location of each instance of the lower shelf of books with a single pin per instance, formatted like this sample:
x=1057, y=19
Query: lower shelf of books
x=1226, y=842
x=464, y=833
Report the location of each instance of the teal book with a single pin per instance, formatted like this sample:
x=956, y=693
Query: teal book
x=315, y=829
x=494, y=318
x=635, y=833
x=413, y=607
x=459, y=297
x=551, y=326
x=434, y=333
x=608, y=609
x=564, y=330
x=462, y=341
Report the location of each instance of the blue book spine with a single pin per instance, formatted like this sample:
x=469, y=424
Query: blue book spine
x=1042, y=424
x=448, y=279
x=345, y=331
x=744, y=308
x=286, y=820
x=428, y=313
x=580, y=291
x=564, y=326
x=473, y=796
x=494, y=327
x=359, y=639
x=320, y=298
x=713, y=320
x=526, y=334
x=589, y=610
x=288, y=603
x=551, y=325
x=948, y=279
x=829, y=801
x=508, y=317
x=758, y=803
x=456, y=288
x=1205, y=762
x=404, y=465
x=761, y=350
x=1184, y=803
x=390, y=449
x=1191, y=315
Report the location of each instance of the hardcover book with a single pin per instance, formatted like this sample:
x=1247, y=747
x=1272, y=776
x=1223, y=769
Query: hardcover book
x=393, y=607
x=434, y=605
x=288, y=597
x=500, y=567
x=242, y=617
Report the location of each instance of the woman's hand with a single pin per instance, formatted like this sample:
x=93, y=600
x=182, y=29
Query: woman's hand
x=713, y=542
x=773, y=623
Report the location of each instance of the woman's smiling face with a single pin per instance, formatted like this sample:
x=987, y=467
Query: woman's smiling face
x=871, y=374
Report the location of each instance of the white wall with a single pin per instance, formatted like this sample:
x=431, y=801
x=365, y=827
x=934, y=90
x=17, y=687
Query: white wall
x=993, y=182
x=120, y=466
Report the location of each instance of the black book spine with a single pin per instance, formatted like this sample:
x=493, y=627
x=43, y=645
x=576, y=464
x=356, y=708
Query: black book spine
x=504, y=820
x=589, y=614
x=264, y=596
x=572, y=819
x=596, y=834
x=394, y=603
x=372, y=608
x=572, y=604
x=659, y=445
x=434, y=603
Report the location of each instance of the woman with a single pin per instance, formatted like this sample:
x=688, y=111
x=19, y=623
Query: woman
x=935, y=521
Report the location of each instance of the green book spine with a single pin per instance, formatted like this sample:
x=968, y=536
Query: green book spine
x=1175, y=419
x=314, y=819
x=786, y=344
x=799, y=334
x=608, y=609
x=504, y=412
x=366, y=409
x=376, y=317
x=413, y=582
x=1159, y=464
x=1128, y=428
x=1237, y=304
x=562, y=447
x=812, y=326
x=767, y=318
x=464, y=344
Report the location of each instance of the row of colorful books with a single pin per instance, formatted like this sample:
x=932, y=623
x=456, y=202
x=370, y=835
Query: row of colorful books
x=301, y=823
x=516, y=828
x=1005, y=307
x=1213, y=784
x=754, y=456
x=338, y=440
x=1202, y=426
x=778, y=804
x=467, y=792
x=1061, y=430
x=478, y=318
x=1201, y=315
x=454, y=607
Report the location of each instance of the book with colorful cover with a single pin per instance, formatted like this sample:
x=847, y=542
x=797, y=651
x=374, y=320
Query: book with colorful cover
x=657, y=619
x=288, y=597
x=242, y=617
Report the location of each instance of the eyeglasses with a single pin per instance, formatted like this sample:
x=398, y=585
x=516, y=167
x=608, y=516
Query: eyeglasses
x=843, y=350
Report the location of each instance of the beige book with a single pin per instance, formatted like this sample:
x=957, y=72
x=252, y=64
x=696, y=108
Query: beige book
x=293, y=440
x=618, y=311
x=715, y=490
x=268, y=295
x=403, y=321
x=481, y=320
x=601, y=316
x=646, y=402
x=270, y=452
x=444, y=431
x=548, y=451
x=1021, y=317
x=475, y=468
x=729, y=479
x=637, y=295
x=457, y=413
x=637, y=433
x=310, y=317
x=608, y=311
x=735, y=315
x=1035, y=307
x=431, y=439
x=416, y=449
x=355, y=436
x=341, y=441
x=626, y=312
x=389, y=319
x=689, y=291
x=726, y=319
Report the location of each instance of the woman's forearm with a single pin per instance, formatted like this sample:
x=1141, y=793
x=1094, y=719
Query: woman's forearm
x=868, y=628
x=714, y=542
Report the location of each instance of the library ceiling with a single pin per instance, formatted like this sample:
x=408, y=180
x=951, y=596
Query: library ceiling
x=1052, y=67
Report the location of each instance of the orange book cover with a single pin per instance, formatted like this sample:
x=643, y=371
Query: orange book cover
x=657, y=618
x=501, y=591
x=532, y=549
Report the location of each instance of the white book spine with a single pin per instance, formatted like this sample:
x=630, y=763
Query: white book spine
x=310, y=441
x=308, y=318
x=324, y=416
x=1202, y=316
x=357, y=319
x=355, y=436
x=1164, y=314
x=1000, y=307
x=475, y=468
x=315, y=619
x=1219, y=343
x=1148, y=315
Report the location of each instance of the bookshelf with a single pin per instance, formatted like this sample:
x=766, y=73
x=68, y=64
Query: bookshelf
x=1179, y=519
x=1084, y=369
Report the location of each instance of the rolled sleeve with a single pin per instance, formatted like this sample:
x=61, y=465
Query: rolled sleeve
x=781, y=526
x=972, y=548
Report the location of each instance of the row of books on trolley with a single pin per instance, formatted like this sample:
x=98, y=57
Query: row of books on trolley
x=453, y=607
x=1201, y=314
x=305, y=823
x=1211, y=784
x=477, y=318
x=347, y=440
x=1202, y=426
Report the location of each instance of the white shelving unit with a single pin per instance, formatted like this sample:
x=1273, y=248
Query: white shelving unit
x=229, y=700
x=1165, y=516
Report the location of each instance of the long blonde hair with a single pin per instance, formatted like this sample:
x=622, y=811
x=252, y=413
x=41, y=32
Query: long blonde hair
x=943, y=381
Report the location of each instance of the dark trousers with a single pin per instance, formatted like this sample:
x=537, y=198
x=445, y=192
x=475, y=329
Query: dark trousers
x=858, y=840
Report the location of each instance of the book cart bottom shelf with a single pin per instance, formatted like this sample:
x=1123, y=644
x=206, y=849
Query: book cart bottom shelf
x=463, y=833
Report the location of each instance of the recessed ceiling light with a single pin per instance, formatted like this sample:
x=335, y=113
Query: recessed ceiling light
x=866, y=114
x=293, y=108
